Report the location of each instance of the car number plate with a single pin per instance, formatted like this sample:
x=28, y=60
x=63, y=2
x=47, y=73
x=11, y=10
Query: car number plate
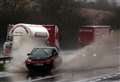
x=39, y=64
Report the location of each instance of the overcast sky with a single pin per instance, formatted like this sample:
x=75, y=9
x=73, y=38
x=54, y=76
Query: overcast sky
x=118, y=2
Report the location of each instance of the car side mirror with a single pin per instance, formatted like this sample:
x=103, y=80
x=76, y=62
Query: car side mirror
x=55, y=53
x=28, y=54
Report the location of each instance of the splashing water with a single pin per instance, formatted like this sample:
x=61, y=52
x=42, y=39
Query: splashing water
x=102, y=53
x=22, y=46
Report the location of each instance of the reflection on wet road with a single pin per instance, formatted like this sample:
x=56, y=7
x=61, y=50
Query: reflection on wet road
x=59, y=76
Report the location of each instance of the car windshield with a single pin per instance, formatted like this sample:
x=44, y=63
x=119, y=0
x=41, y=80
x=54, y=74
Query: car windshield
x=41, y=53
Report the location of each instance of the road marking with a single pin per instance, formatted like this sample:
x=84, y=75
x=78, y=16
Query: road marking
x=99, y=78
x=93, y=79
x=47, y=77
x=4, y=74
x=39, y=79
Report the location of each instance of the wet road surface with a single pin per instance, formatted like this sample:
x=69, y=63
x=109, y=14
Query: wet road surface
x=95, y=75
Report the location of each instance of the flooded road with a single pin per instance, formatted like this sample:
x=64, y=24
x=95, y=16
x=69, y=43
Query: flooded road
x=63, y=76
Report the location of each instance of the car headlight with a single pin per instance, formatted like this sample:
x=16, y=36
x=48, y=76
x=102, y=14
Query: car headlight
x=28, y=60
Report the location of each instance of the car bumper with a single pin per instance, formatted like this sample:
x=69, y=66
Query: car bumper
x=39, y=67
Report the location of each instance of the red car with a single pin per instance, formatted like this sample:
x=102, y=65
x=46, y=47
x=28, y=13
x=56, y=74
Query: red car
x=43, y=59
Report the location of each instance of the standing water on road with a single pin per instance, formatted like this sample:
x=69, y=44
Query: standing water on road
x=22, y=46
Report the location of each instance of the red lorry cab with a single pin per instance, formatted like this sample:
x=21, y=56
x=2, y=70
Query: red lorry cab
x=53, y=39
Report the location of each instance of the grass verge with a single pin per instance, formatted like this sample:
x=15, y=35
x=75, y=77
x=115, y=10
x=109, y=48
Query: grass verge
x=2, y=67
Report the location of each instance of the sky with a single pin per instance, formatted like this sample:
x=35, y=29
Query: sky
x=118, y=2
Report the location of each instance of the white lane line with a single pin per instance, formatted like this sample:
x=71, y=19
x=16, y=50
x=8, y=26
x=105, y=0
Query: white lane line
x=39, y=79
x=4, y=74
x=99, y=78
x=65, y=80
x=47, y=77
